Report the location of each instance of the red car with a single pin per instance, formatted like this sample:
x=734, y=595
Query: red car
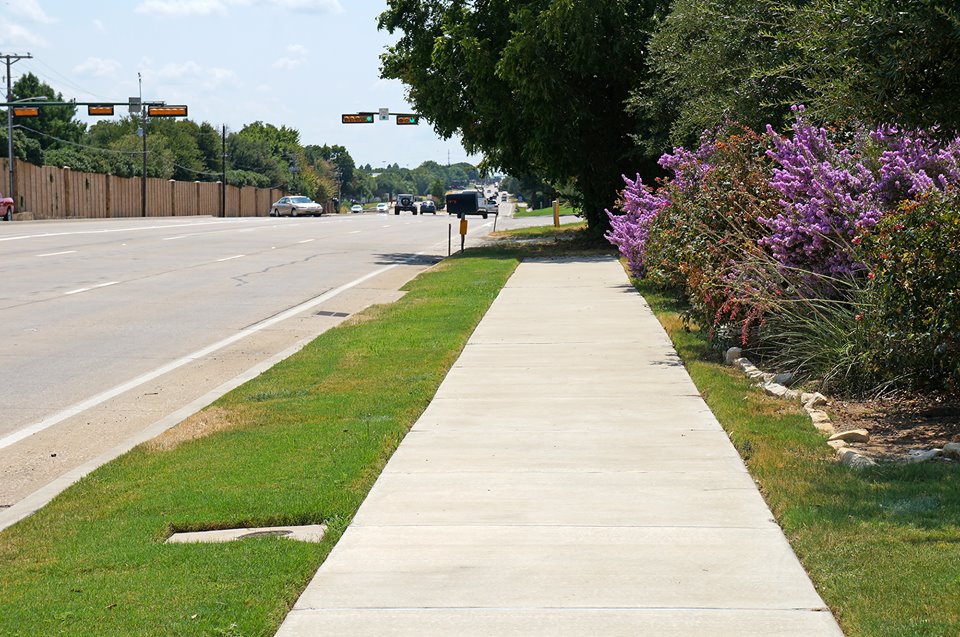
x=6, y=208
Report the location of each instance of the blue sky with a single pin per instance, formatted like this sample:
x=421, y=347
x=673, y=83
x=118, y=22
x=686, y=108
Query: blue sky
x=299, y=63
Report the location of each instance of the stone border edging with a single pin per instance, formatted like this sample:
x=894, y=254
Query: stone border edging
x=776, y=385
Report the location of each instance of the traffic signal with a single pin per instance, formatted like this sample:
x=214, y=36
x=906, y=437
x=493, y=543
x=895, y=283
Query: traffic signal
x=26, y=111
x=357, y=118
x=167, y=111
x=99, y=109
x=408, y=120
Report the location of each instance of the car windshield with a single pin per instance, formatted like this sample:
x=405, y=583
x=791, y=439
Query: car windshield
x=300, y=200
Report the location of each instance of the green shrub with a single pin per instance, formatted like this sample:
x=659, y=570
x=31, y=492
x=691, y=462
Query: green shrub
x=915, y=279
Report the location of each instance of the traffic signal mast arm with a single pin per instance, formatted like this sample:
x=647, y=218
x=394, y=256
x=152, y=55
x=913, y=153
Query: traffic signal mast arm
x=403, y=119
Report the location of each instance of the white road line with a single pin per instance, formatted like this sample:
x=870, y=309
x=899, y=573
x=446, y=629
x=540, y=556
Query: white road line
x=386, y=226
x=355, y=232
x=239, y=256
x=103, y=397
x=306, y=241
x=182, y=236
x=110, y=230
x=92, y=287
x=53, y=254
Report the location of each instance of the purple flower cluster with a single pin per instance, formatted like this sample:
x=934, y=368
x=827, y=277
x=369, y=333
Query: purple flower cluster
x=828, y=191
x=689, y=168
x=913, y=163
x=827, y=194
x=629, y=231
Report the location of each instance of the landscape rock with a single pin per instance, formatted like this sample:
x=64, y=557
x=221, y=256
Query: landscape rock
x=952, y=450
x=791, y=395
x=742, y=364
x=854, y=435
x=774, y=389
x=850, y=458
x=784, y=378
x=813, y=400
x=821, y=420
x=733, y=354
x=924, y=456
x=837, y=444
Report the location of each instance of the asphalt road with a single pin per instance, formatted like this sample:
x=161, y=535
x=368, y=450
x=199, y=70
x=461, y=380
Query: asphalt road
x=112, y=310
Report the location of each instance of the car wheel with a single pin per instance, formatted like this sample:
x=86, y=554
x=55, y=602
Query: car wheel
x=8, y=214
x=484, y=215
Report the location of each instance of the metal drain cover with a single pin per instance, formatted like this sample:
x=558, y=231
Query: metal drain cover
x=311, y=533
x=334, y=314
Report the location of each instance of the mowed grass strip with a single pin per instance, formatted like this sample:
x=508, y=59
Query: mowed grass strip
x=300, y=444
x=882, y=546
x=545, y=212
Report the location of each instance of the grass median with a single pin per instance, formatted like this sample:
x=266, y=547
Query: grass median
x=545, y=212
x=882, y=546
x=300, y=444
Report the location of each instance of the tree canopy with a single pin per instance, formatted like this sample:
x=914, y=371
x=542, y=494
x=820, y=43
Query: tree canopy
x=537, y=86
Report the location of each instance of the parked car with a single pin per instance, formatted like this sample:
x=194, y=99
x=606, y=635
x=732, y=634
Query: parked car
x=356, y=208
x=428, y=206
x=294, y=206
x=6, y=208
x=383, y=207
x=405, y=202
x=469, y=202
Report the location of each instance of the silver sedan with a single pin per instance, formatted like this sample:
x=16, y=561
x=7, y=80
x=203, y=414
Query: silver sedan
x=294, y=206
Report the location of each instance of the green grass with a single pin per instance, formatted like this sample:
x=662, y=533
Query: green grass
x=306, y=441
x=882, y=546
x=545, y=212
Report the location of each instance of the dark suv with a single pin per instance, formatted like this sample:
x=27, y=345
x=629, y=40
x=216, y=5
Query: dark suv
x=469, y=202
x=428, y=206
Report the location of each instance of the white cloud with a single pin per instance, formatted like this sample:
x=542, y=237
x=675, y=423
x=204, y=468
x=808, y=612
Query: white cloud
x=297, y=56
x=98, y=67
x=179, y=8
x=14, y=35
x=98, y=26
x=29, y=10
x=191, y=73
x=183, y=8
x=310, y=6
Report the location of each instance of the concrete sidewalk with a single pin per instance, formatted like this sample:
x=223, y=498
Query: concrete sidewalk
x=567, y=479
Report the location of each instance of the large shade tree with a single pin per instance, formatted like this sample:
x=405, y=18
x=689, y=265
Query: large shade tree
x=536, y=86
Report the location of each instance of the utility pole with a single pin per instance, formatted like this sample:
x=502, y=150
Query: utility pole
x=143, y=132
x=9, y=59
x=223, y=173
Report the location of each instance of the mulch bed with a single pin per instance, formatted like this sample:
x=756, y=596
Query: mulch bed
x=900, y=423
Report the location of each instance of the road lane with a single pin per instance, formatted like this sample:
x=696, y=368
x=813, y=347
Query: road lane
x=143, y=301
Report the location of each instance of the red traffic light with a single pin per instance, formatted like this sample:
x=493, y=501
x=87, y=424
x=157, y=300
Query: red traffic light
x=356, y=118
x=408, y=120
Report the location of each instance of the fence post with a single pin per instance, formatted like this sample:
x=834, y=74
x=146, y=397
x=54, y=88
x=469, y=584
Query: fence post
x=65, y=175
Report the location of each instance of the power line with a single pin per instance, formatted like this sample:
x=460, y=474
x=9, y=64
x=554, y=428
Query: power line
x=64, y=79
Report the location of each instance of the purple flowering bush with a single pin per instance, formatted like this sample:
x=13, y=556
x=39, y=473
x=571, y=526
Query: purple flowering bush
x=774, y=240
x=628, y=231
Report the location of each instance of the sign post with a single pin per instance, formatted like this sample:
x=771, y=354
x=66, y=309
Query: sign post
x=463, y=232
x=556, y=213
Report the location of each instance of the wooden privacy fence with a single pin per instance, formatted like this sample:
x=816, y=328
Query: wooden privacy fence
x=48, y=192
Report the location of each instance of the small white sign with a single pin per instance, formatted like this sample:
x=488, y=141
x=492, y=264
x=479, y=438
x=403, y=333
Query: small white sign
x=384, y=114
